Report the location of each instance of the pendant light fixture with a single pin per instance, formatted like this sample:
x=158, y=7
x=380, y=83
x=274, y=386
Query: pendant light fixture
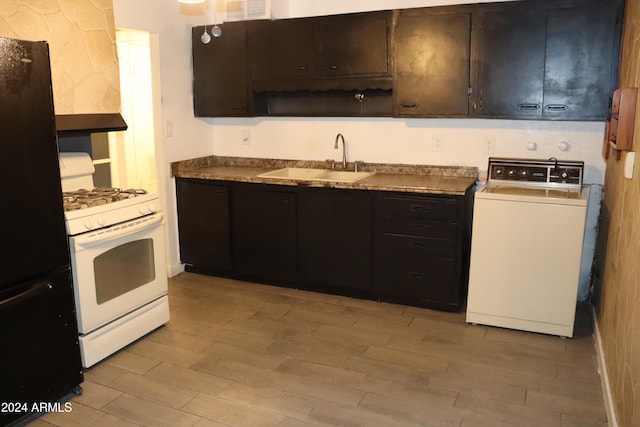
x=205, y=37
x=216, y=32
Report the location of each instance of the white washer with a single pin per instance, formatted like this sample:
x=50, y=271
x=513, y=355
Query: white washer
x=528, y=230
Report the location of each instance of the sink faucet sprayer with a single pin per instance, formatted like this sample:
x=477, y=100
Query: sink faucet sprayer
x=344, y=150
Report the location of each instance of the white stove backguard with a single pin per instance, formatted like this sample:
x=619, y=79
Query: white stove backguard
x=76, y=171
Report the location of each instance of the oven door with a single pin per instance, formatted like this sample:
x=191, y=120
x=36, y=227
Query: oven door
x=117, y=269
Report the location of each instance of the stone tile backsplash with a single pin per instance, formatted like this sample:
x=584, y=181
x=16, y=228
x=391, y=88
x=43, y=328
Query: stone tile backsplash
x=81, y=37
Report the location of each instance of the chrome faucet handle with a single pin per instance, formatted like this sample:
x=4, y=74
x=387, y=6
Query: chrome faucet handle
x=357, y=164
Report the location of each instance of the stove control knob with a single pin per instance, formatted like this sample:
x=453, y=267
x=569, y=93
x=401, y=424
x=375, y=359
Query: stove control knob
x=101, y=221
x=564, y=175
x=88, y=223
x=149, y=208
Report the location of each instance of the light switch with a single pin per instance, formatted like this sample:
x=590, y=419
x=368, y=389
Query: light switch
x=246, y=136
x=629, y=163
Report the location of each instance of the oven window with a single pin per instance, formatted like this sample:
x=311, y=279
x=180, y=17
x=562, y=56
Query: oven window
x=124, y=268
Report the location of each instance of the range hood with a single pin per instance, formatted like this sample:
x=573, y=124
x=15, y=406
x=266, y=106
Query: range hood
x=84, y=124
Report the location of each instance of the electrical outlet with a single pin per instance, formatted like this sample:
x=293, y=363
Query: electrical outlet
x=436, y=144
x=489, y=146
x=168, y=128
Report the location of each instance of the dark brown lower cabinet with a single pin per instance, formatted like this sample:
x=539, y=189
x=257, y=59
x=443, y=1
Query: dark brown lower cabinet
x=402, y=247
x=204, y=225
x=264, y=232
x=419, y=249
x=334, y=230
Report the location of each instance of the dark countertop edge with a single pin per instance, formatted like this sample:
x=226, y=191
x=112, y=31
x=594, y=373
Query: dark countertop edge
x=193, y=168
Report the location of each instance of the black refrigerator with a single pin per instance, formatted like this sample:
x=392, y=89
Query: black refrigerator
x=39, y=352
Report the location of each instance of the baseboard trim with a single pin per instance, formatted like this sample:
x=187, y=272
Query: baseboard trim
x=604, y=377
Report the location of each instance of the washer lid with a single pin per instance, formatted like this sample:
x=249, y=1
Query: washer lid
x=555, y=193
x=526, y=194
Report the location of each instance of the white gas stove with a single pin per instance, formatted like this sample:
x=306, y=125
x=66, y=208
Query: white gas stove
x=116, y=241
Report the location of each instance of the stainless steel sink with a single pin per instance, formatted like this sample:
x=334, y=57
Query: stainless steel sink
x=310, y=174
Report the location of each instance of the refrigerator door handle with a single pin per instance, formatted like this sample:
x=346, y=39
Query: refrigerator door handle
x=33, y=291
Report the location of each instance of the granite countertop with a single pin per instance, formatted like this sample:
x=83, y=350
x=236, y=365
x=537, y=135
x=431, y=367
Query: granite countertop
x=454, y=180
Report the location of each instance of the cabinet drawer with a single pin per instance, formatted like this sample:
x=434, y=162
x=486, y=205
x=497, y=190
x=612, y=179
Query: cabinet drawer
x=440, y=209
x=418, y=245
x=415, y=276
x=396, y=224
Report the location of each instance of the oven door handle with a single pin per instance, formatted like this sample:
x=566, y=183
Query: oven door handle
x=117, y=231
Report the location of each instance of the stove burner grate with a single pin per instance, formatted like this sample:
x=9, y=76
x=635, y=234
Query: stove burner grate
x=83, y=198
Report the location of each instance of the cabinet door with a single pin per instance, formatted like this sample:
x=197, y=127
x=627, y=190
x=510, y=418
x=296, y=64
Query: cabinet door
x=579, y=62
x=220, y=74
x=203, y=225
x=432, y=65
x=335, y=238
x=510, y=63
x=352, y=45
x=264, y=232
x=282, y=49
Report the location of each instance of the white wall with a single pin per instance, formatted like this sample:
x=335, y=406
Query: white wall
x=462, y=141
x=170, y=23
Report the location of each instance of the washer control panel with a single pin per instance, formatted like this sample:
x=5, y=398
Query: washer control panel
x=551, y=172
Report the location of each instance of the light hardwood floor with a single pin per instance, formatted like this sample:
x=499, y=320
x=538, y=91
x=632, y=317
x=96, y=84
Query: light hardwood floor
x=244, y=354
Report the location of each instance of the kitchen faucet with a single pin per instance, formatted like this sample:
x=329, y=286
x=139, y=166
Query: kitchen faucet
x=344, y=150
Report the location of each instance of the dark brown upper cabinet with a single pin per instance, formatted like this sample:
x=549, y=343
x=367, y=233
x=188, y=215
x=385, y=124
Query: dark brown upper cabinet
x=352, y=45
x=220, y=74
x=432, y=52
x=554, y=63
x=510, y=63
x=282, y=49
x=581, y=61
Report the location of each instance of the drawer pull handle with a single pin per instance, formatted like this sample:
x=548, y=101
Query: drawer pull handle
x=420, y=227
x=525, y=107
x=419, y=208
x=409, y=105
x=301, y=68
x=417, y=276
x=418, y=244
x=556, y=107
